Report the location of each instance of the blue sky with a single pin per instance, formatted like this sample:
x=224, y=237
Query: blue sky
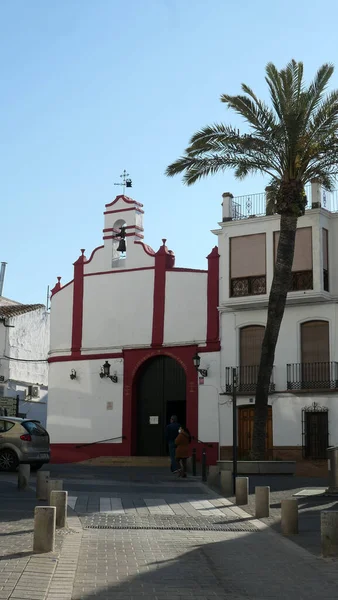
x=90, y=87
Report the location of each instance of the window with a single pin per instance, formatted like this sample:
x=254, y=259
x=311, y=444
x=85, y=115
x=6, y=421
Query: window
x=315, y=355
x=325, y=240
x=5, y=426
x=250, y=343
x=315, y=430
x=302, y=275
x=34, y=428
x=248, y=265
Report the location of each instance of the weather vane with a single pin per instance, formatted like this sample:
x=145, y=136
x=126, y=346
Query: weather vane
x=126, y=181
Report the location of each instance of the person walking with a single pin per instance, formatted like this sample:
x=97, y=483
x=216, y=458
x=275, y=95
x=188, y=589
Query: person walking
x=182, y=449
x=171, y=435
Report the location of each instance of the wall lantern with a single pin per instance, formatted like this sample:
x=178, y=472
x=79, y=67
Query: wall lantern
x=197, y=361
x=73, y=374
x=105, y=372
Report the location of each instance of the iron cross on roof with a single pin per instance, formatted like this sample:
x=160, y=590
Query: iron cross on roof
x=126, y=181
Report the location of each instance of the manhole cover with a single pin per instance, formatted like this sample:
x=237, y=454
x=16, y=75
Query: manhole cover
x=99, y=521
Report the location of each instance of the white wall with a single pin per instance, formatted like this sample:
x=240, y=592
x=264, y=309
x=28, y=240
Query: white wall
x=29, y=339
x=61, y=319
x=208, y=398
x=118, y=310
x=77, y=409
x=185, y=307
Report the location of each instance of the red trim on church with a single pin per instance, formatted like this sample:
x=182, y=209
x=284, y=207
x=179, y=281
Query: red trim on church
x=213, y=296
x=78, y=305
x=125, y=199
x=92, y=254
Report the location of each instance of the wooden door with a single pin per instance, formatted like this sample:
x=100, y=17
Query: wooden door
x=315, y=355
x=246, y=415
x=161, y=388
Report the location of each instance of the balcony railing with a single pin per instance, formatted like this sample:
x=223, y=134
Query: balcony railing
x=246, y=379
x=302, y=280
x=312, y=376
x=248, y=286
x=255, y=205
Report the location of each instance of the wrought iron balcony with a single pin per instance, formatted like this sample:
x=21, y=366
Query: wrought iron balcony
x=248, y=286
x=246, y=379
x=312, y=376
x=302, y=280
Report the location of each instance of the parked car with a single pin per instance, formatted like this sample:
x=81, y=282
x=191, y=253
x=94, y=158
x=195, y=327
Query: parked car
x=22, y=441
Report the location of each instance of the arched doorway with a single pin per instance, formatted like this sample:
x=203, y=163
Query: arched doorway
x=161, y=392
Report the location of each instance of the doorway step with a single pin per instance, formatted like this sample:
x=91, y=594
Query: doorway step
x=128, y=461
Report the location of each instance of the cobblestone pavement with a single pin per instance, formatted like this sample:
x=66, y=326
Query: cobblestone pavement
x=142, y=537
x=310, y=507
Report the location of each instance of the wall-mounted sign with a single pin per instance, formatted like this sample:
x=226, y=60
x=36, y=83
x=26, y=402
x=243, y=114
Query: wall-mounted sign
x=109, y=406
x=153, y=420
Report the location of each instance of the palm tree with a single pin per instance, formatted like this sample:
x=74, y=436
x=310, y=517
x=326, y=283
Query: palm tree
x=293, y=141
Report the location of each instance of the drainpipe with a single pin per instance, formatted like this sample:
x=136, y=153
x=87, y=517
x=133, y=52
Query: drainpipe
x=2, y=276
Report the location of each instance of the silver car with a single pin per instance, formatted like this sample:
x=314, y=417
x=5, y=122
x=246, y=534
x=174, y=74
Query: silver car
x=22, y=441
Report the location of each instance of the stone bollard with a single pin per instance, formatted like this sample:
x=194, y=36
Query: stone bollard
x=213, y=475
x=23, y=476
x=242, y=490
x=262, y=498
x=60, y=501
x=53, y=485
x=329, y=532
x=289, y=520
x=44, y=529
x=226, y=483
x=42, y=478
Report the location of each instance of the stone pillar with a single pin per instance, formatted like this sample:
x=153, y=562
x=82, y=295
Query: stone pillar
x=227, y=207
x=60, y=501
x=44, y=529
x=213, y=475
x=53, y=485
x=262, y=498
x=289, y=521
x=329, y=532
x=23, y=476
x=242, y=490
x=226, y=483
x=41, y=484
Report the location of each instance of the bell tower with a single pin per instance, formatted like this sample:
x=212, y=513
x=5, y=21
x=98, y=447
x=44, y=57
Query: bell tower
x=123, y=226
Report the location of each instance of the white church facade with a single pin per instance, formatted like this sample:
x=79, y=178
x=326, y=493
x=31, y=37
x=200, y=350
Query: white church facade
x=218, y=313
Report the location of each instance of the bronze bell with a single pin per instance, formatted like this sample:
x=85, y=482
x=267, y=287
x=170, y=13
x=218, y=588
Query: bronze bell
x=122, y=246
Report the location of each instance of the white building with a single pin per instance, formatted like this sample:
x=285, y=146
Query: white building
x=24, y=344
x=148, y=318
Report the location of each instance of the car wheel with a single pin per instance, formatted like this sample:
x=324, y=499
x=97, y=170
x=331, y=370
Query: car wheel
x=36, y=466
x=8, y=460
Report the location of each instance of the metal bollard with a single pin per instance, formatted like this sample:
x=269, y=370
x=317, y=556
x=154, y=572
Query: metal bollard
x=329, y=532
x=204, y=465
x=194, y=462
x=23, y=476
x=262, y=501
x=289, y=520
x=226, y=483
x=213, y=475
x=44, y=529
x=41, y=484
x=242, y=490
x=60, y=501
x=53, y=485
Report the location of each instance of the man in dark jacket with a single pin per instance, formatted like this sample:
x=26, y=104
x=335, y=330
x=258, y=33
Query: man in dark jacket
x=171, y=435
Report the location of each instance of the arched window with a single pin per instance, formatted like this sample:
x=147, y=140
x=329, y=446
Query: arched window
x=250, y=346
x=315, y=355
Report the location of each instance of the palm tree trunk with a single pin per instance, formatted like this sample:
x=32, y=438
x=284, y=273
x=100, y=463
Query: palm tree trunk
x=281, y=284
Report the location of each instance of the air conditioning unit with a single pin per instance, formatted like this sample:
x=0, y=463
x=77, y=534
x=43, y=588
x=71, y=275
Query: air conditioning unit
x=33, y=391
